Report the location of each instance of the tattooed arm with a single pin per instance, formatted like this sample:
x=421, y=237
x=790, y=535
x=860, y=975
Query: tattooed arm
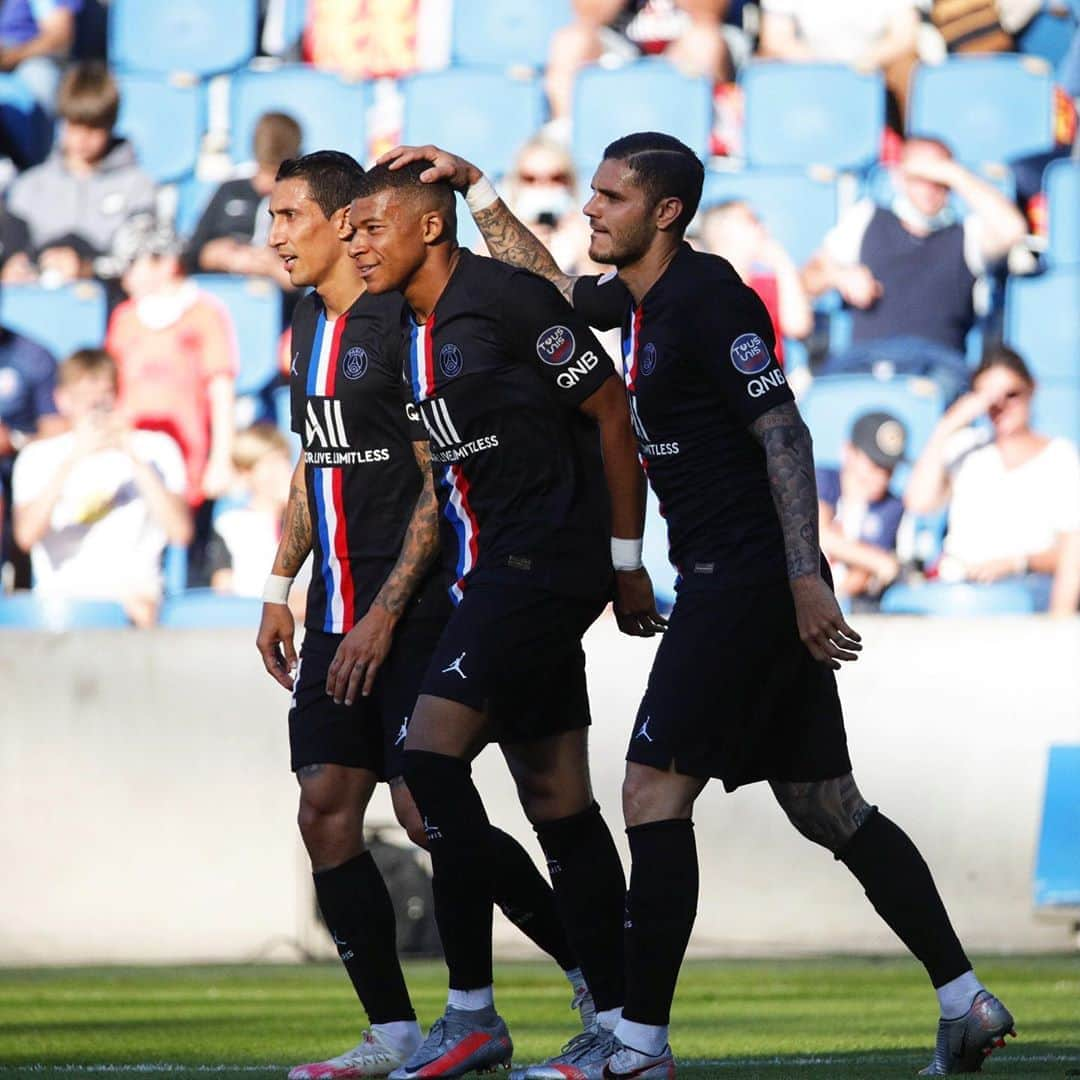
x=277, y=627
x=789, y=460
x=363, y=650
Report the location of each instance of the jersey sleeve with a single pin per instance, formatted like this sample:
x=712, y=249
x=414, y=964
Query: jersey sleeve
x=601, y=300
x=737, y=352
x=544, y=330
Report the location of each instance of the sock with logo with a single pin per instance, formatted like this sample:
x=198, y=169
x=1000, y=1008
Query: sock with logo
x=359, y=913
x=459, y=840
x=898, y=883
x=590, y=890
x=527, y=900
x=661, y=906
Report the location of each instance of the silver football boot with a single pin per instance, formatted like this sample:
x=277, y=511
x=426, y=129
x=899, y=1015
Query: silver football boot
x=965, y=1043
x=582, y=1058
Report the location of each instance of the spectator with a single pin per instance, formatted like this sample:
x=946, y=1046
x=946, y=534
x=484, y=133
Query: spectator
x=908, y=270
x=980, y=26
x=36, y=37
x=231, y=235
x=733, y=230
x=1013, y=495
x=689, y=33
x=76, y=202
x=176, y=353
x=97, y=505
x=860, y=515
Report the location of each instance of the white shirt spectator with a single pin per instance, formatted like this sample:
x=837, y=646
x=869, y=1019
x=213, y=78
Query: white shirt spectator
x=840, y=31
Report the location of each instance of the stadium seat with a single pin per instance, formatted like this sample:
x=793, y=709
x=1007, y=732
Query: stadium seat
x=1055, y=411
x=1048, y=35
x=798, y=207
x=650, y=95
x=942, y=598
x=29, y=611
x=331, y=112
x=811, y=114
x=204, y=609
x=164, y=117
x=192, y=196
x=63, y=320
x=986, y=108
x=506, y=33
x=1040, y=322
x=833, y=402
x=655, y=556
x=255, y=306
x=26, y=129
x=483, y=113
x=204, y=37
x=174, y=569
x=1057, y=867
x=1061, y=182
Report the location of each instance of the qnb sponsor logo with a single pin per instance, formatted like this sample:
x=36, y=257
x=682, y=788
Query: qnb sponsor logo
x=749, y=354
x=577, y=370
x=555, y=346
x=412, y=413
x=764, y=383
x=327, y=430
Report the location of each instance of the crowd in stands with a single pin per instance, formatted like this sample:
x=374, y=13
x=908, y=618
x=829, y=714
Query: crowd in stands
x=954, y=462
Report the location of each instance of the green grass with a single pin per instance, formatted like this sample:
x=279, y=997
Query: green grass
x=839, y=1018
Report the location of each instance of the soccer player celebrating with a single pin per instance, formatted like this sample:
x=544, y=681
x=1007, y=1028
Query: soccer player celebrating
x=742, y=687
x=362, y=503
x=526, y=422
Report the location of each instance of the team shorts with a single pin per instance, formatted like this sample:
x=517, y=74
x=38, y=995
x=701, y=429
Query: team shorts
x=370, y=733
x=734, y=694
x=514, y=652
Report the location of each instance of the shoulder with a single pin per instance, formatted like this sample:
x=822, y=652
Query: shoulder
x=1064, y=454
x=384, y=308
x=41, y=455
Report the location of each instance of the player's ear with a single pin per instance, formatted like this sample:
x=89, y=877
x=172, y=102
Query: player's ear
x=340, y=220
x=668, y=211
x=433, y=226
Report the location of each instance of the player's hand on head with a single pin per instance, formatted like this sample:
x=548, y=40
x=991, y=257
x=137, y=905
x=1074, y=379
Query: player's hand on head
x=275, y=643
x=635, y=604
x=360, y=655
x=456, y=171
x=822, y=627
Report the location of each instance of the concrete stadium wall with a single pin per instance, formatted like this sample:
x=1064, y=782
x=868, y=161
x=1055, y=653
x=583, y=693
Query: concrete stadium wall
x=148, y=814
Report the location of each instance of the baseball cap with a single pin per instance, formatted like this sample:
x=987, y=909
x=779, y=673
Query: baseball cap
x=881, y=437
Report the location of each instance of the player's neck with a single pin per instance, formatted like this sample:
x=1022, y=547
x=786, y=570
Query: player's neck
x=427, y=284
x=340, y=289
x=640, y=276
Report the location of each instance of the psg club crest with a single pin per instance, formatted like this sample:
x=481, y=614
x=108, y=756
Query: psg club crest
x=555, y=346
x=451, y=361
x=648, y=359
x=354, y=363
x=749, y=354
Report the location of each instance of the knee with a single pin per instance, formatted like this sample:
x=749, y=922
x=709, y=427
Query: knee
x=650, y=795
x=326, y=826
x=827, y=813
x=551, y=798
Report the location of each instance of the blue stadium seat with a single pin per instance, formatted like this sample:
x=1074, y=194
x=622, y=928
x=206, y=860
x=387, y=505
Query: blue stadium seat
x=29, y=611
x=483, y=113
x=1048, y=35
x=986, y=108
x=255, y=306
x=26, y=128
x=811, y=114
x=165, y=119
x=797, y=206
x=833, y=403
x=1057, y=866
x=1055, y=410
x=63, y=320
x=649, y=95
x=192, y=196
x=1038, y=323
x=331, y=112
x=941, y=598
x=174, y=569
x=204, y=609
x=1061, y=182
x=655, y=556
x=203, y=37
x=507, y=33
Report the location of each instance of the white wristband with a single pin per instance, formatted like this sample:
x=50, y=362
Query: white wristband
x=276, y=589
x=626, y=554
x=481, y=195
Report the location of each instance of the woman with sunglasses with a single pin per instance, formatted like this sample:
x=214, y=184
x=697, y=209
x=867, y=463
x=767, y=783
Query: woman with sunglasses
x=1013, y=494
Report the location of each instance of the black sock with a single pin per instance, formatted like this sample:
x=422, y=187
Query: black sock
x=660, y=909
x=360, y=915
x=527, y=900
x=459, y=840
x=590, y=891
x=899, y=885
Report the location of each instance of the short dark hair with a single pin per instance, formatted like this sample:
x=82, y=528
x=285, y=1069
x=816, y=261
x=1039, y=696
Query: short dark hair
x=85, y=362
x=333, y=177
x=1002, y=356
x=439, y=195
x=665, y=167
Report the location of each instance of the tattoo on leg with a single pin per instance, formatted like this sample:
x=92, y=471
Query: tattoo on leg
x=305, y=772
x=825, y=811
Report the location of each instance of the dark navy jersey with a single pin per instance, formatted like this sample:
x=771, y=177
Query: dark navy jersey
x=497, y=372
x=357, y=432
x=699, y=364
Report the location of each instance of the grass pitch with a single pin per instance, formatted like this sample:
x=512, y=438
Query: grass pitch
x=839, y=1018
